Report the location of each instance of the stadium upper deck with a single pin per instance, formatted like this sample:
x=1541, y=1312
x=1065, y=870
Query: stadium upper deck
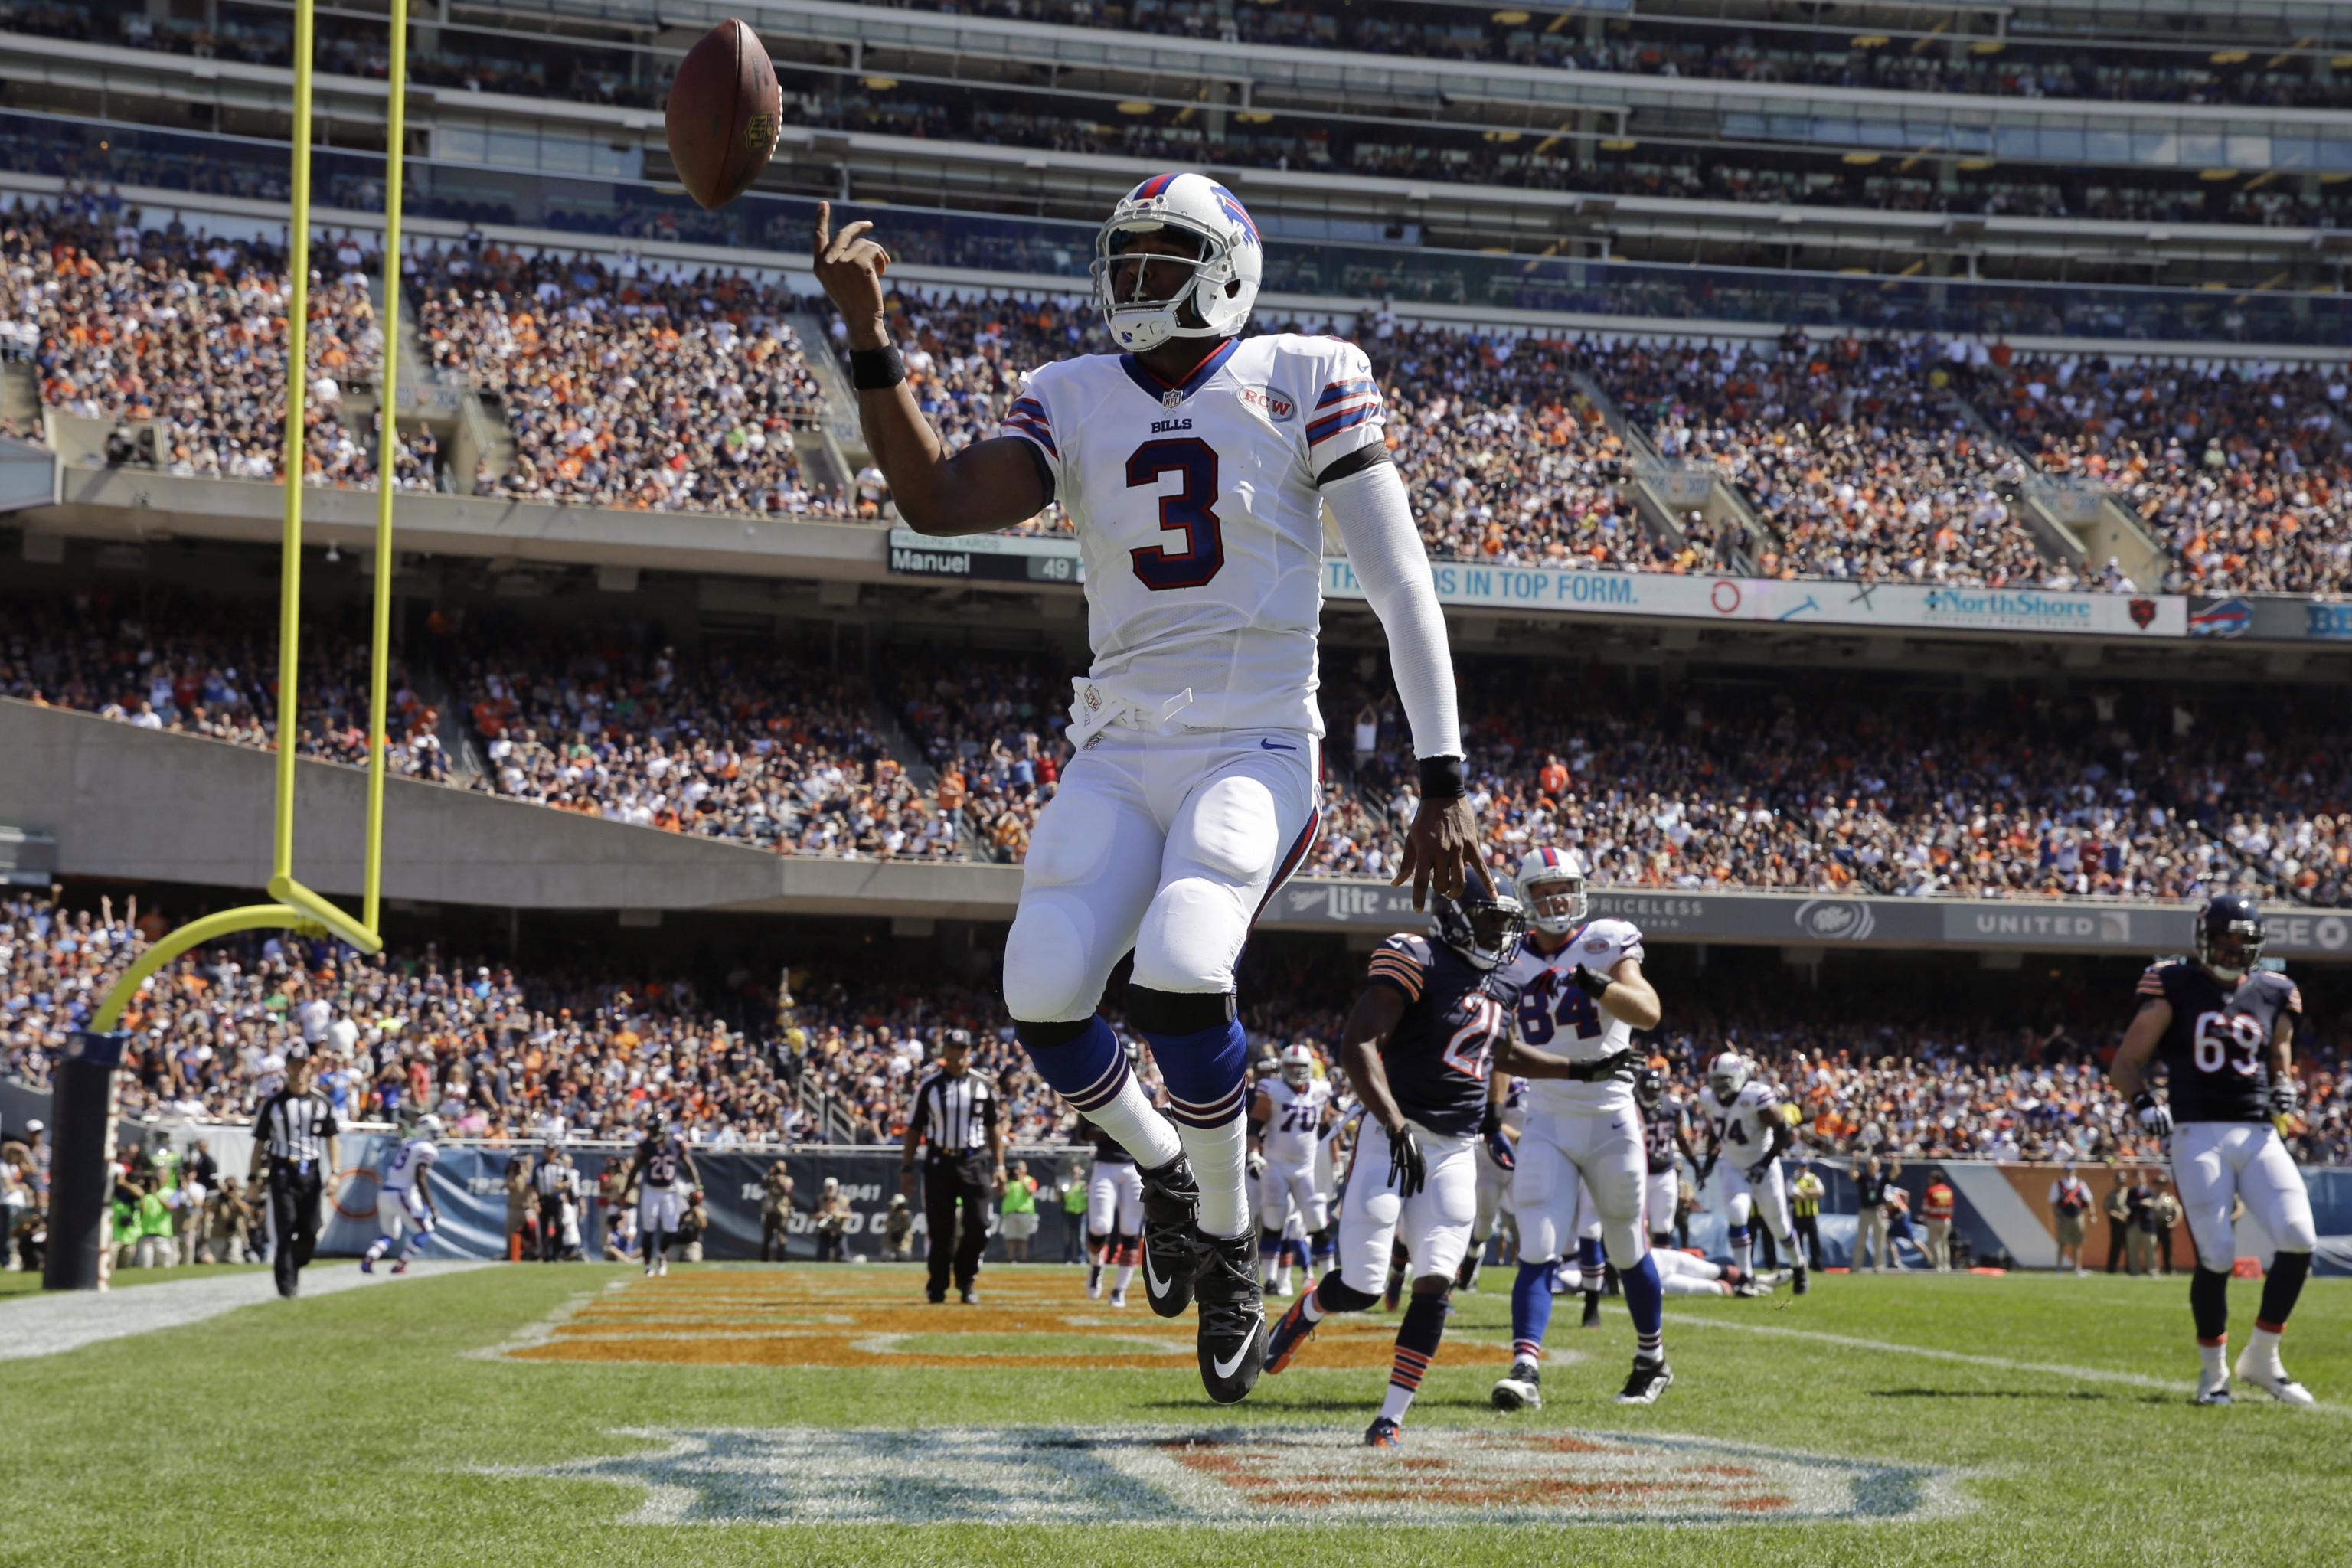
x=1772, y=163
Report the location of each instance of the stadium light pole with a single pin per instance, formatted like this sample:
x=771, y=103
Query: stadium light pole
x=84, y=1102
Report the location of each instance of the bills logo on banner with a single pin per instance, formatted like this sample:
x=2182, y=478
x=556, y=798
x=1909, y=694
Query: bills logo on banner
x=2229, y=618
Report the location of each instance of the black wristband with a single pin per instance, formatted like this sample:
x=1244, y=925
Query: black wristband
x=876, y=370
x=1440, y=779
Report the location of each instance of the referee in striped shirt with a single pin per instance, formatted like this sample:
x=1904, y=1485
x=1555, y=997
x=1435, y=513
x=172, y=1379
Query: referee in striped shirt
x=957, y=1117
x=294, y=1140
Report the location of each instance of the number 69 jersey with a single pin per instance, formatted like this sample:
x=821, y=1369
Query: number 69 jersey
x=1199, y=517
x=2216, y=1051
x=1437, y=1056
x=1554, y=1015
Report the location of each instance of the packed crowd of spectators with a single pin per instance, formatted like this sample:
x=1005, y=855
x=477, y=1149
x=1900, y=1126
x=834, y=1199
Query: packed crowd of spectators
x=1847, y=448
x=2243, y=469
x=1670, y=47
x=1831, y=786
x=185, y=333
x=162, y=660
x=625, y=382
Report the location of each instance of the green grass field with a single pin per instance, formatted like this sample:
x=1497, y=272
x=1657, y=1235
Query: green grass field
x=390, y=1425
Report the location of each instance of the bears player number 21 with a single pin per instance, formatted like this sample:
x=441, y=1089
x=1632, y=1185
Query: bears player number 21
x=1196, y=467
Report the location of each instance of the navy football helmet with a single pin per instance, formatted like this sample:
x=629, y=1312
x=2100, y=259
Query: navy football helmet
x=2230, y=935
x=1649, y=1086
x=1483, y=925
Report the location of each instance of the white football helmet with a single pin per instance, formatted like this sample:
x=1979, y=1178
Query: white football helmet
x=1728, y=1074
x=1225, y=272
x=1551, y=887
x=1298, y=1066
x=428, y=1126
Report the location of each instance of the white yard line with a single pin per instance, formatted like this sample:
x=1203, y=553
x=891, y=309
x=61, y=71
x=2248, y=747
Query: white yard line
x=52, y=1322
x=2182, y=1385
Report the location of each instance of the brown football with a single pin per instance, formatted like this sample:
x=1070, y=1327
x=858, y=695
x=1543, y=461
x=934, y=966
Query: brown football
x=722, y=114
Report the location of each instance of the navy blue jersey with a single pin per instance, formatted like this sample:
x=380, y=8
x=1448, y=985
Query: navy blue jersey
x=1658, y=1129
x=2216, y=1051
x=1437, y=1056
x=659, y=1162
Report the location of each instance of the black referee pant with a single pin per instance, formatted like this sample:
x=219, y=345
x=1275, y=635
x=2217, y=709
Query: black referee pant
x=949, y=1184
x=550, y=1227
x=295, y=1187
x=1809, y=1237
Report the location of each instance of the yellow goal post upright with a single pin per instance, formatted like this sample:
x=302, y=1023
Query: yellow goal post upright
x=83, y=1101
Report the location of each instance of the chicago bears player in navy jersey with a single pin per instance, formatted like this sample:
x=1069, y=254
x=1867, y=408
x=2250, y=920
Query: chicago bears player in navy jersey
x=1417, y=1048
x=1196, y=469
x=2224, y=1030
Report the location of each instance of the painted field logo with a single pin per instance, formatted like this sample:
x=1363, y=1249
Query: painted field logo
x=1102, y=1474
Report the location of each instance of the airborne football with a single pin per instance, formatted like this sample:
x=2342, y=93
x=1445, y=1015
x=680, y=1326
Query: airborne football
x=1141, y=782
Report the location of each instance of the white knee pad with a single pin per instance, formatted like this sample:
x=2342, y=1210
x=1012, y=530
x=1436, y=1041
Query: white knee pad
x=1192, y=935
x=1624, y=1242
x=1738, y=1209
x=1046, y=974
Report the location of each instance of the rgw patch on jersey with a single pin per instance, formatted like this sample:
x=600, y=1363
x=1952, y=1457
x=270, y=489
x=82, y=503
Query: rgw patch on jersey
x=1438, y=1055
x=1742, y=1129
x=1198, y=515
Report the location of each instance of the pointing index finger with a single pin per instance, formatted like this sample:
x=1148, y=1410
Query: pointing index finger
x=824, y=227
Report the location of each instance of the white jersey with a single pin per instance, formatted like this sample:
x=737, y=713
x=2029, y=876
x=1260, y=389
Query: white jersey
x=1556, y=1015
x=1291, y=1131
x=1198, y=522
x=1742, y=1129
x=407, y=1161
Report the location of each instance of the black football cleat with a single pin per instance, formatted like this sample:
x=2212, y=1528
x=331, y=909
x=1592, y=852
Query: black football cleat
x=970, y=1297
x=1232, y=1316
x=1649, y=1380
x=1592, y=1310
x=1797, y=1276
x=1521, y=1390
x=1171, y=1210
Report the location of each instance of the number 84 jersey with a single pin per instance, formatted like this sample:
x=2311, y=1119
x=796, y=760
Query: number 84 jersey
x=1554, y=1015
x=2216, y=1051
x=1200, y=520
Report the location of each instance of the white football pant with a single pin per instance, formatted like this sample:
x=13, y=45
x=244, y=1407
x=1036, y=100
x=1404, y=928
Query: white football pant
x=1286, y=1190
x=1114, y=1200
x=1166, y=844
x=1434, y=1223
x=2214, y=1161
x=1557, y=1150
x=1768, y=1199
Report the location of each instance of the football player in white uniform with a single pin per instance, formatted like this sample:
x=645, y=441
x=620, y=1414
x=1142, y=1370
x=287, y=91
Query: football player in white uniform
x=404, y=1198
x=1581, y=996
x=1286, y=1121
x=1748, y=1133
x=1494, y=1180
x=1196, y=467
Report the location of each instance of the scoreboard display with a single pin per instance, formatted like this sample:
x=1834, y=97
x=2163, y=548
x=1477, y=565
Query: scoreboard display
x=987, y=557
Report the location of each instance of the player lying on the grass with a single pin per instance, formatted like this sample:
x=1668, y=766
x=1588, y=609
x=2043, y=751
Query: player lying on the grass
x=2224, y=1029
x=1581, y=995
x=1286, y=1118
x=1416, y=1047
x=660, y=1154
x=1196, y=467
x=1684, y=1273
x=403, y=1200
x=1745, y=1122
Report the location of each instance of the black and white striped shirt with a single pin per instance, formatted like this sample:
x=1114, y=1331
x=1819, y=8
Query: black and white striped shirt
x=955, y=1115
x=294, y=1128
x=554, y=1177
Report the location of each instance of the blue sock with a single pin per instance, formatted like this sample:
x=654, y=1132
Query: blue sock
x=1204, y=1071
x=1646, y=1301
x=1086, y=1071
x=1530, y=1310
x=1270, y=1249
x=1589, y=1260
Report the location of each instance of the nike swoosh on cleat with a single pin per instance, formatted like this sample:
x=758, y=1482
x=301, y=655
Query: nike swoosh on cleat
x=1275, y=746
x=1151, y=1276
x=1225, y=1368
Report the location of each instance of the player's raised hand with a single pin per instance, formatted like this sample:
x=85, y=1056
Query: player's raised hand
x=1441, y=847
x=849, y=267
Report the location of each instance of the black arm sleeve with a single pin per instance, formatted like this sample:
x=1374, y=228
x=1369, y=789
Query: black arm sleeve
x=1355, y=462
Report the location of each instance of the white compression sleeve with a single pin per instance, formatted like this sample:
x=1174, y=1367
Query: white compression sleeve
x=1375, y=522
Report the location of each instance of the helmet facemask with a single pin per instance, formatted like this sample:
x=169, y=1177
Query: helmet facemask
x=1139, y=318
x=1555, y=901
x=2230, y=952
